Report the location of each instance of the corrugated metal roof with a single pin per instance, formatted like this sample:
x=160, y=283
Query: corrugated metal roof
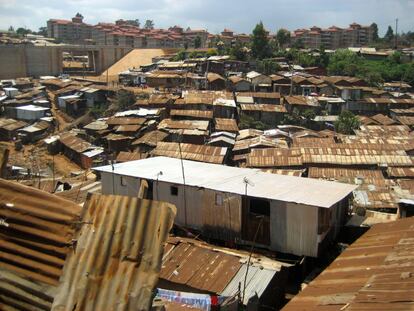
x=125, y=121
x=400, y=172
x=198, y=114
x=230, y=179
x=75, y=143
x=39, y=232
x=4, y=157
x=151, y=138
x=257, y=281
x=125, y=156
x=202, y=153
x=183, y=124
x=374, y=273
x=263, y=107
x=228, y=125
x=118, y=255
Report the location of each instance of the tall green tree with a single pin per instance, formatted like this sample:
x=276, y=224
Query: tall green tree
x=11, y=29
x=23, y=31
x=375, y=36
x=149, y=24
x=282, y=37
x=260, y=42
x=389, y=35
x=197, y=42
x=125, y=99
x=347, y=122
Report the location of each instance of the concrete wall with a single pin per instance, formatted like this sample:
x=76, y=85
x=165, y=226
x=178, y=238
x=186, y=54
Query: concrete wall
x=34, y=61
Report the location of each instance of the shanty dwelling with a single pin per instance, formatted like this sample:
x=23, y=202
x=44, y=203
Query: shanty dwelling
x=232, y=204
x=215, y=82
x=269, y=114
x=72, y=104
x=238, y=84
x=79, y=151
x=257, y=79
x=149, y=141
x=9, y=128
x=333, y=105
x=192, y=267
x=11, y=92
x=224, y=108
x=93, y=96
x=34, y=132
x=118, y=142
x=29, y=112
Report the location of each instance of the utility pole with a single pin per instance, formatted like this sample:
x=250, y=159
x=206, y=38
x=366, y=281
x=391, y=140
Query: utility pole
x=396, y=34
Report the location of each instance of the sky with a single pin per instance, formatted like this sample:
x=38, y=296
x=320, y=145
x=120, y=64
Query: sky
x=214, y=15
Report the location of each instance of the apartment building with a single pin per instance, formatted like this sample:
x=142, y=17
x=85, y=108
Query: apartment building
x=334, y=37
x=70, y=31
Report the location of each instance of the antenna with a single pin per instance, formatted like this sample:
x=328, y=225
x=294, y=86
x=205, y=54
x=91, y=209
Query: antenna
x=160, y=173
x=247, y=182
x=396, y=34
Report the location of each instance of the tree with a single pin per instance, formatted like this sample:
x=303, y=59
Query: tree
x=344, y=62
x=347, y=122
x=42, y=31
x=180, y=56
x=125, y=99
x=389, y=35
x=11, y=29
x=260, y=42
x=23, y=31
x=238, y=51
x=268, y=66
x=149, y=24
x=197, y=42
x=282, y=37
x=374, y=27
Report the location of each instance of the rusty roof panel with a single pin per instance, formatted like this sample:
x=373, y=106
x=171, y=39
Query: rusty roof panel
x=4, y=158
x=36, y=236
x=183, y=124
x=125, y=121
x=263, y=108
x=374, y=273
x=125, y=156
x=228, y=125
x=75, y=143
x=197, y=114
x=201, y=153
x=402, y=172
x=118, y=255
x=151, y=138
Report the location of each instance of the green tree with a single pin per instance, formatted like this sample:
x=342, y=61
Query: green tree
x=238, y=51
x=11, y=29
x=42, y=31
x=125, y=99
x=347, y=122
x=389, y=35
x=179, y=56
x=149, y=24
x=268, y=66
x=260, y=42
x=282, y=37
x=374, y=27
x=23, y=31
x=197, y=42
x=211, y=52
x=344, y=62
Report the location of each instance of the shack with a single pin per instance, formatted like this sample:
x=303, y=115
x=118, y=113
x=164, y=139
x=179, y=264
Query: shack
x=232, y=204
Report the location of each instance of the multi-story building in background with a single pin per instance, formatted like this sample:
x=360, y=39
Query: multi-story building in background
x=70, y=31
x=334, y=37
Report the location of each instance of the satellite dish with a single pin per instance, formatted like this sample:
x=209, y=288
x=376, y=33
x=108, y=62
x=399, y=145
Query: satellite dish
x=248, y=182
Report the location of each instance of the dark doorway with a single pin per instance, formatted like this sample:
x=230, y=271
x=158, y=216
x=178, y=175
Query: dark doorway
x=256, y=218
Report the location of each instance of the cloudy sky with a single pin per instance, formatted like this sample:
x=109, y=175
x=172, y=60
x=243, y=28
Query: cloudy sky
x=214, y=15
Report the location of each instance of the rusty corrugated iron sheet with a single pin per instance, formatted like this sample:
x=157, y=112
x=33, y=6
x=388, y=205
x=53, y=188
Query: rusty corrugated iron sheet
x=125, y=121
x=201, y=153
x=125, y=156
x=227, y=125
x=4, y=158
x=197, y=114
x=183, y=124
x=118, y=255
x=350, y=176
x=37, y=232
x=263, y=108
x=383, y=119
x=374, y=273
x=274, y=157
x=75, y=143
x=402, y=172
x=151, y=138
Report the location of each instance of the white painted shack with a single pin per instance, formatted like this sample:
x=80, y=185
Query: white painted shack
x=291, y=214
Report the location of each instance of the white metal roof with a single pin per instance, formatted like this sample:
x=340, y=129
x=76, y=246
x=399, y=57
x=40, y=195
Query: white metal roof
x=32, y=108
x=231, y=179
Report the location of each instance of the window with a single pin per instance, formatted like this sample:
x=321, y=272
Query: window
x=123, y=181
x=219, y=199
x=259, y=207
x=174, y=190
